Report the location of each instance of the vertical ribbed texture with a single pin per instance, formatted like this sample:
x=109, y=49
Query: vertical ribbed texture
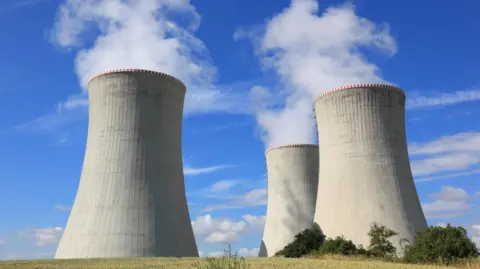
x=131, y=197
x=365, y=173
x=292, y=189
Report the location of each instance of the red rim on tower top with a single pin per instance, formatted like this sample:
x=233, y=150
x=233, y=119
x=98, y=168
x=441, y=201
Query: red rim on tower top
x=293, y=146
x=133, y=70
x=354, y=86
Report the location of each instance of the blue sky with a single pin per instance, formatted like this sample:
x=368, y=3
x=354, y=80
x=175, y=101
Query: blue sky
x=252, y=68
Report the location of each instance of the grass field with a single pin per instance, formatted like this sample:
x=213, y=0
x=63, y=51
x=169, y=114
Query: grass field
x=192, y=263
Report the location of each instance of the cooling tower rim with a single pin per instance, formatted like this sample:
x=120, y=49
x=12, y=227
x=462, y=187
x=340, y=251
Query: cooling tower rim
x=354, y=86
x=135, y=70
x=292, y=146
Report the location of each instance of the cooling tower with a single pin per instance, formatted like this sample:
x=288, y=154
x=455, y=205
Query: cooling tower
x=365, y=173
x=292, y=173
x=131, y=198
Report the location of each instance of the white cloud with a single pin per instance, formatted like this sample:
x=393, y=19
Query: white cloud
x=452, y=175
x=459, y=152
x=116, y=34
x=464, y=142
x=443, y=99
x=2, y=241
x=222, y=237
x=17, y=4
x=449, y=203
x=190, y=171
x=225, y=230
x=141, y=34
x=222, y=185
x=476, y=235
x=312, y=53
x=255, y=197
x=447, y=162
x=257, y=223
x=450, y=194
x=73, y=102
x=246, y=252
x=43, y=236
x=31, y=255
x=219, y=189
x=215, y=254
x=242, y=252
x=52, y=122
x=62, y=207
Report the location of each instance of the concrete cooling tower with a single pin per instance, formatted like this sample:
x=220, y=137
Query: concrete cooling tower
x=131, y=198
x=292, y=172
x=365, y=173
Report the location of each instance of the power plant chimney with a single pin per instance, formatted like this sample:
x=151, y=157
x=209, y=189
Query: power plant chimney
x=365, y=173
x=292, y=172
x=131, y=198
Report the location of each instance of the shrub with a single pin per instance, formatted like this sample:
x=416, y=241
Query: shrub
x=228, y=261
x=445, y=245
x=339, y=245
x=305, y=242
x=380, y=246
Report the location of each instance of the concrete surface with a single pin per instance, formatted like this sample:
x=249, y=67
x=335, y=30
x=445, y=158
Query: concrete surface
x=365, y=173
x=131, y=197
x=292, y=172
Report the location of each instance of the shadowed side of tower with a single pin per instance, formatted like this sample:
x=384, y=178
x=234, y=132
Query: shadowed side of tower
x=131, y=197
x=365, y=173
x=292, y=172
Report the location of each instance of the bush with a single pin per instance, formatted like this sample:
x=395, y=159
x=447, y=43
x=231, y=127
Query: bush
x=380, y=246
x=228, y=261
x=339, y=245
x=444, y=245
x=305, y=242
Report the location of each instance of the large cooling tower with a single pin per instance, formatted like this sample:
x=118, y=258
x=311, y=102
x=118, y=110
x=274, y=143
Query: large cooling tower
x=292, y=173
x=131, y=197
x=365, y=173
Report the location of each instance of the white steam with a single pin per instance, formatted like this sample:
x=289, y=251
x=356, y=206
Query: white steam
x=312, y=53
x=112, y=34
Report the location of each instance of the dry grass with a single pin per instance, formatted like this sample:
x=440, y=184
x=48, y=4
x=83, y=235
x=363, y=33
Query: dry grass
x=193, y=263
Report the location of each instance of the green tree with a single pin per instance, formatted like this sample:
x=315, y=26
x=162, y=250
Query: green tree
x=380, y=245
x=305, y=242
x=444, y=245
x=339, y=245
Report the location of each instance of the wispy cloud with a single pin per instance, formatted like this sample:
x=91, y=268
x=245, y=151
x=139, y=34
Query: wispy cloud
x=444, y=163
x=16, y=4
x=219, y=189
x=465, y=142
x=230, y=126
x=62, y=208
x=458, y=153
x=191, y=171
x=255, y=197
x=52, y=122
x=443, y=99
x=43, y=236
x=222, y=186
x=447, y=176
x=449, y=203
